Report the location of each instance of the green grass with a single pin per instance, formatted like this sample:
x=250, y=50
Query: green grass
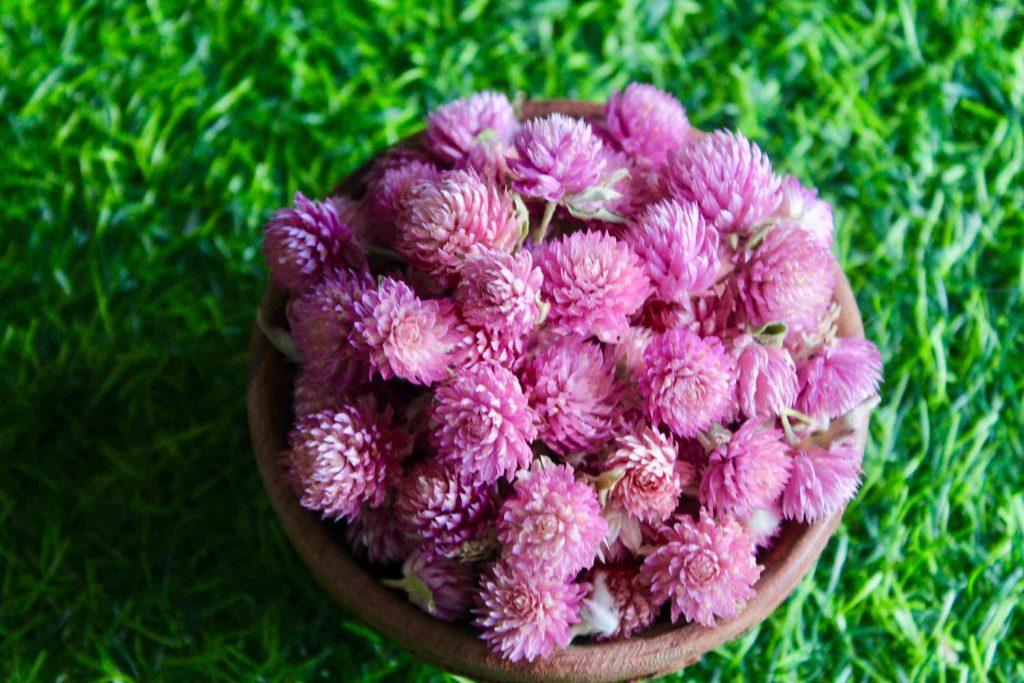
x=142, y=144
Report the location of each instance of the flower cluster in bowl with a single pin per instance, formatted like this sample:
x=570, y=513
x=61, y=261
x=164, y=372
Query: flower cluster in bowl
x=567, y=373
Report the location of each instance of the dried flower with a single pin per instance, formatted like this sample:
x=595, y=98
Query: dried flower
x=482, y=120
x=387, y=191
x=823, y=481
x=629, y=595
x=749, y=471
x=556, y=156
x=438, y=586
x=764, y=524
x=628, y=354
x=841, y=375
x=499, y=291
x=652, y=477
x=376, y=536
x=802, y=206
x=766, y=381
x=647, y=123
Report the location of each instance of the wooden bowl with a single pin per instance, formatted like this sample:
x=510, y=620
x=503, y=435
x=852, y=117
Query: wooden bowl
x=458, y=648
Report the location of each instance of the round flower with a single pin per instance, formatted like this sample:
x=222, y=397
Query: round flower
x=526, y=617
x=485, y=426
x=302, y=243
x=749, y=471
x=455, y=128
x=388, y=190
x=840, y=376
x=629, y=595
x=802, y=206
x=440, y=587
x=443, y=219
x=678, y=248
x=551, y=524
x=766, y=382
x=499, y=291
x=647, y=123
x=345, y=457
x=628, y=354
x=688, y=382
x=441, y=509
x=483, y=344
x=375, y=535
x=593, y=283
x=314, y=391
x=728, y=177
x=556, y=156
x=706, y=568
x=572, y=387
x=404, y=336
x=823, y=481
x=764, y=524
x=652, y=477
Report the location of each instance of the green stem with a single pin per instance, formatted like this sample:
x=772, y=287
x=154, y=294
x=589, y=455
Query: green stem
x=545, y=222
x=382, y=253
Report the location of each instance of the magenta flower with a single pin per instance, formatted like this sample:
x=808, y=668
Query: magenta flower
x=551, y=524
x=345, y=457
x=801, y=205
x=728, y=177
x=689, y=383
x=302, y=243
x=628, y=354
x=556, y=156
x=440, y=587
x=747, y=472
x=766, y=382
x=481, y=344
x=678, y=247
x=840, y=376
x=483, y=119
x=352, y=212
x=388, y=190
x=443, y=219
x=706, y=568
x=652, y=477
x=499, y=291
x=573, y=389
x=315, y=391
x=647, y=123
x=484, y=425
x=629, y=596
x=593, y=283
x=823, y=482
x=376, y=536
x=526, y=617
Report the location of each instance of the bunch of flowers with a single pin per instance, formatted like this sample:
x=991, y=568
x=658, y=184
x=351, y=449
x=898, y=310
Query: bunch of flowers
x=562, y=376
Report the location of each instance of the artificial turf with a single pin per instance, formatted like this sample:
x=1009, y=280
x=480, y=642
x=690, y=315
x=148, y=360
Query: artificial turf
x=143, y=144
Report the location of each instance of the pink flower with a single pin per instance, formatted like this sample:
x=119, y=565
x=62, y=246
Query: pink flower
x=388, y=190
x=315, y=391
x=572, y=387
x=556, y=156
x=788, y=278
x=499, y=291
x=593, y=283
x=764, y=524
x=441, y=509
x=728, y=177
x=404, y=336
x=352, y=213
x=485, y=426
x=443, y=219
x=345, y=457
x=302, y=243
x=551, y=524
x=652, y=477
x=375, y=535
x=766, y=381
x=678, y=247
x=688, y=382
x=823, y=482
x=706, y=569
x=839, y=377
x=628, y=354
x=647, y=123
x=747, y=472
x=629, y=595
x=440, y=587
x=482, y=344
x=526, y=617
x=455, y=128
x=802, y=206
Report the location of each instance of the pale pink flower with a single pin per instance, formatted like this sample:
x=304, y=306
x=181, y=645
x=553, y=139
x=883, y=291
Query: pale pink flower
x=375, y=535
x=764, y=524
x=483, y=344
x=749, y=471
x=802, y=206
x=556, y=156
x=766, y=382
x=484, y=119
x=629, y=595
x=652, y=476
x=499, y=291
x=822, y=483
x=840, y=376
x=440, y=587
x=647, y=123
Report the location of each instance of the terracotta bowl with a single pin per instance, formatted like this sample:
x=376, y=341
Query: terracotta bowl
x=457, y=648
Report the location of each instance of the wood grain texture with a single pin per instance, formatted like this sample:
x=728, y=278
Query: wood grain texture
x=457, y=648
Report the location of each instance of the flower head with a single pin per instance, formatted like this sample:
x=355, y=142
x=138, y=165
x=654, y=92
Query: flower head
x=839, y=377
x=688, y=382
x=593, y=283
x=527, y=617
x=455, y=128
x=376, y=536
x=766, y=381
x=387, y=191
x=823, y=481
x=728, y=177
x=499, y=291
x=629, y=595
x=647, y=123
x=747, y=472
x=556, y=156
x=764, y=524
x=440, y=587
x=628, y=354
x=551, y=524
x=315, y=390
x=802, y=206
x=483, y=344
x=652, y=476
x=706, y=568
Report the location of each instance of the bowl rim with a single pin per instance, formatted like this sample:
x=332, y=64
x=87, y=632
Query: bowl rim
x=455, y=647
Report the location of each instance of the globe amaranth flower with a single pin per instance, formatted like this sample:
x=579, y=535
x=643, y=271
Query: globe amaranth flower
x=499, y=291
x=484, y=424
x=764, y=524
x=455, y=128
x=647, y=123
x=375, y=535
x=688, y=382
x=748, y=471
x=788, y=278
x=822, y=482
x=387, y=190
x=556, y=156
x=440, y=587
x=628, y=354
x=841, y=375
x=300, y=244
x=315, y=391
x=526, y=617
x=678, y=247
x=443, y=219
x=629, y=598
x=344, y=458
x=652, y=475
x=441, y=509
x=766, y=381
x=483, y=344
x=705, y=568
x=728, y=177
x=550, y=524
x=801, y=205
x=593, y=283
x=403, y=335
x=572, y=387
